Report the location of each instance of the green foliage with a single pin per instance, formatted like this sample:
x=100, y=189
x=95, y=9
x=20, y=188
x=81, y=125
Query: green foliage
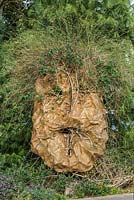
x=16, y=108
x=2, y=30
x=40, y=194
x=57, y=89
x=80, y=18
x=16, y=120
x=54, y=58
x=109, y=81
x=111, y=76
x=12, y=14
x=128, y=139
x=72, y=58
x=10, y=160
x=31, y=179
x=77, y=19
x=23, y=61
x=71, y=35
x=17, y=91
x=61, y=182
x=86, y=188
x=44, y=70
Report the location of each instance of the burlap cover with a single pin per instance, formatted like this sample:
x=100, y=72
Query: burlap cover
x=69, y=126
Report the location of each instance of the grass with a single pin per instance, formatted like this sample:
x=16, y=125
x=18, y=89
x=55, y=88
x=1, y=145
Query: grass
x=105, y=69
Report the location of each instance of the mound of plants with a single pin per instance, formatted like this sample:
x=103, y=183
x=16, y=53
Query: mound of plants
x=101, y=74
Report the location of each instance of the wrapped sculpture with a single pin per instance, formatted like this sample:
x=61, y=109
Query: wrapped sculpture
x=69, y=126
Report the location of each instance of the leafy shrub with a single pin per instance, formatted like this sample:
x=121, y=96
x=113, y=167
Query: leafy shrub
x=109, y=80
x=86, y=188
x=56, y=57
x=8, y=161
x=84, y=18
x=23, y=65
x=44, y=70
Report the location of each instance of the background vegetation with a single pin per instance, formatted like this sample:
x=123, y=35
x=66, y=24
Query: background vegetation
x=34, y=38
